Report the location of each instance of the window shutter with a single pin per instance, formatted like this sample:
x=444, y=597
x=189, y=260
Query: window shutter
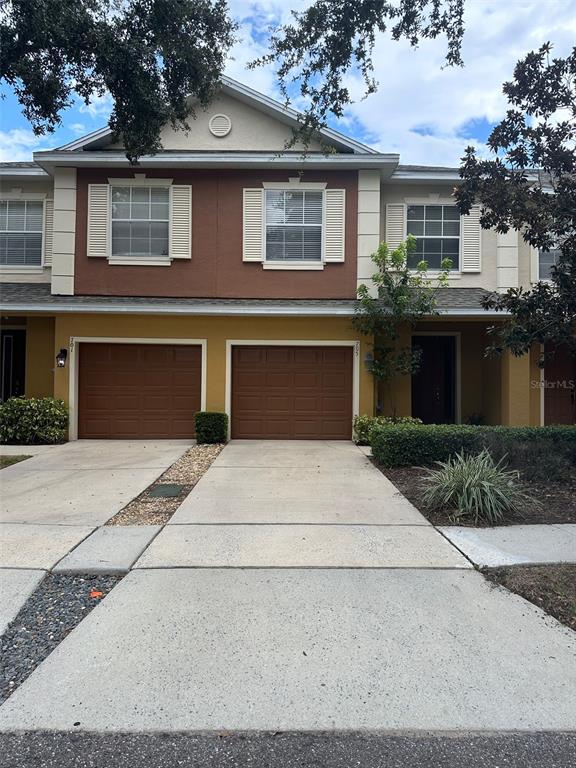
x=98, y=220
x=181, y=221
x=395, y=224
x=48, y=231
x=253, y=225
x=334, y=216
x=470, y=233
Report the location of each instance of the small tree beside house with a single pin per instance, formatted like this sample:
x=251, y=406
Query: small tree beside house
x=402, y=294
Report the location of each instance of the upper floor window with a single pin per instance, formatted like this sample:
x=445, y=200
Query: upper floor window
x=21, y=233
x=140, y=221
x=437, y=232
x=546, y=260
x=294, y=225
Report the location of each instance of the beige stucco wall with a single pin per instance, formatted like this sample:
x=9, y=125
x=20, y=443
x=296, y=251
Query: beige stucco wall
x=251, y=130
x=9, y=187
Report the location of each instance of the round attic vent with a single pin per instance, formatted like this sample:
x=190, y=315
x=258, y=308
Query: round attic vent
x=220, y=125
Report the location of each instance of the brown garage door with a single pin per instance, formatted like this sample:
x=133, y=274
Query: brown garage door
x=138, y=390
x=292, y=392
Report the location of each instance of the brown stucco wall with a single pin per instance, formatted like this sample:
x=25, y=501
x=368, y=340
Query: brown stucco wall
x=216, y=268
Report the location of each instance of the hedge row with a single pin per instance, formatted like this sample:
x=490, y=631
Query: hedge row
x=405, y=445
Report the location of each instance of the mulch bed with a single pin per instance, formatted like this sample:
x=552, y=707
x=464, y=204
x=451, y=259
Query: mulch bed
x=551, y=587
x=557, y=500
x=59, y=604
x=148, y=509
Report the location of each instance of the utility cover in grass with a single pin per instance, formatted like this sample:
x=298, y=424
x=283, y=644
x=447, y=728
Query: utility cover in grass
x=166, y=490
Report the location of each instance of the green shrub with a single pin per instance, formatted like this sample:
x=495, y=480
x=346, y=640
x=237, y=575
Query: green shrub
x=363, y=425
x=404, y=445
x=536, y=460
x=401, y=445
x=211, y=427
x=33, y=421
x=474, y=487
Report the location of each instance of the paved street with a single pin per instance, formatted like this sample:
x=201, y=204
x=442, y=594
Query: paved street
x=287, y=750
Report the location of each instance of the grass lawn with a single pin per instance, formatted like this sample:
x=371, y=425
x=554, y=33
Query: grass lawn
x=6, y=461
x=554, y=502
x=551, y=587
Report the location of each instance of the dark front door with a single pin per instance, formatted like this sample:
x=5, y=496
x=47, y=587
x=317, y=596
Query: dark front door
x=13, y=351
x=434, y=386
x=559, y=393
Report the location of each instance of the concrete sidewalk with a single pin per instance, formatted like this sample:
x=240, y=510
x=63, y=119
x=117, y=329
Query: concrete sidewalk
x=312, y=650
x=515, y=544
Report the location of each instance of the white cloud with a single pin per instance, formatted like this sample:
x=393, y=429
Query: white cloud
x=99, y=106
x=18, y=144
x=78, y=128
x=428, y=113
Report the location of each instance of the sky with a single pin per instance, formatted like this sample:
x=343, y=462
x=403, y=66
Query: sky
x=424, y=111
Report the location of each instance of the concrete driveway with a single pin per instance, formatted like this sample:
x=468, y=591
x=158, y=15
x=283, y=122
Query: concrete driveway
x=296, y=590
x=84, y=482
x=301, y=504
x=52, y=501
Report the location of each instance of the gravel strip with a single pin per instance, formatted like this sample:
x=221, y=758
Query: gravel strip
x=50, y=613
x=151, y=510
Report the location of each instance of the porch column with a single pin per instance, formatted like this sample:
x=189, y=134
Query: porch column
x=515, y=390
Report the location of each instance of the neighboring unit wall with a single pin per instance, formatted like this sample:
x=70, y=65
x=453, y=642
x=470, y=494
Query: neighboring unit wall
x=40, y=356
x=20, y=188
x=216, y=268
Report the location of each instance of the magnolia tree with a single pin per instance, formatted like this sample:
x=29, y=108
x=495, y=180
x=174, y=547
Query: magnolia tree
x=402, y=294
x=529, y=184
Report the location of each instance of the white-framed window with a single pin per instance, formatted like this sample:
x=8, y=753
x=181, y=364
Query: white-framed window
x=437, y=232
x=293, y=229
x=546, y=260
x=140, y=221
x=21, y=225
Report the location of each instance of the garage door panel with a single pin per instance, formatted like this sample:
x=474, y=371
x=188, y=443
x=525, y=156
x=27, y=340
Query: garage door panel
x=292, y=392
x=138, y=390
x=278, y=379
x=309, y=380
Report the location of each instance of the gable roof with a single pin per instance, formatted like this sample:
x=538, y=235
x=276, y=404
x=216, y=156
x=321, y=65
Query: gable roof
x=253, y=98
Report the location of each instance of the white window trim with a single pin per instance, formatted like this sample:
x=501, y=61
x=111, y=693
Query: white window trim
x=139, y=180
x=536, y=255
x=74, y=368
x=453, y=274
x=230, y=343
x=26, y=269
x=295, y=266
x=294, y=184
